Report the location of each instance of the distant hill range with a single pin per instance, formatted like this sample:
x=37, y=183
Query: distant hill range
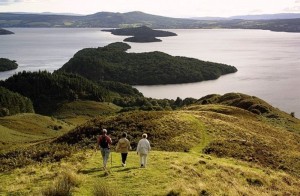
x=280, y=22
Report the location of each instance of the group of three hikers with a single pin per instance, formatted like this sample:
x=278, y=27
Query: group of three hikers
x=123, y=146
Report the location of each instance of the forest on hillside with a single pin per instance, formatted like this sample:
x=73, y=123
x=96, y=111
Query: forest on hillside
x=13, y=103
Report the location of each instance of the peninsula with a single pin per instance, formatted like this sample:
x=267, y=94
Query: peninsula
x=113, y=63
x=5, y=32
x=6, y=64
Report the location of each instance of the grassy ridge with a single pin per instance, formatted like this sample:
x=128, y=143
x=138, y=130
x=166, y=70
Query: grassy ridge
x=224, y=131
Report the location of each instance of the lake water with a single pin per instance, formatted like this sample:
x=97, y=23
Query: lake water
x=268, y=62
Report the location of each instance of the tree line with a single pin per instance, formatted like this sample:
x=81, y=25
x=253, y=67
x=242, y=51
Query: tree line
x=13, y=103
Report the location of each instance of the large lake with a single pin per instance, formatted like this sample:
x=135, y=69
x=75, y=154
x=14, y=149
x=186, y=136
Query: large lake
x=268, y=62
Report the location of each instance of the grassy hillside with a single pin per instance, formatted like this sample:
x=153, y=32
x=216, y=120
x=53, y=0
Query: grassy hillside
x=210, y=149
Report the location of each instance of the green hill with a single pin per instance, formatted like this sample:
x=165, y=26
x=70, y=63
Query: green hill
x=111, y=64
x=49, y=91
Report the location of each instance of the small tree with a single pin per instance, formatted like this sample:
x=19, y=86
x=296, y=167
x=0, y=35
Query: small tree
x=4, y=112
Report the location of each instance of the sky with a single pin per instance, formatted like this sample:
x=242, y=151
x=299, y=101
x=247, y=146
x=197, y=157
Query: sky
x=171, y=8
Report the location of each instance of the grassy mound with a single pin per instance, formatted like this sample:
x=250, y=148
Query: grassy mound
x=28, y=128
x=78, y=112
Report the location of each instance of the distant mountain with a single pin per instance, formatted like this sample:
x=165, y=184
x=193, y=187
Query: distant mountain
x=44, y=13
x=134, y=19
x=209, y=18
x=253, y=17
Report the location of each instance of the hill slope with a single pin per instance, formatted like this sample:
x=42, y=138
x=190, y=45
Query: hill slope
x=203, y=149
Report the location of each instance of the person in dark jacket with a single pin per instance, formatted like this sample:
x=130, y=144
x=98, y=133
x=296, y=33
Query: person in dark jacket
x=104, y=142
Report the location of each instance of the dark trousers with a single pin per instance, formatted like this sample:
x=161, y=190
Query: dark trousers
x=124, y=157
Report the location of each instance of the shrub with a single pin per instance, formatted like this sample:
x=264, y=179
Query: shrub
x=254, y=182
x=173, y=193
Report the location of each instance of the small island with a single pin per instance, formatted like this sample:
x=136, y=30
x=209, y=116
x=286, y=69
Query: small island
x=141, y=34
x=5, y=32
x=6, y=64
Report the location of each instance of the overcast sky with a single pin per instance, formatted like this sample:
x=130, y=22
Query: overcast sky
x=173, y=8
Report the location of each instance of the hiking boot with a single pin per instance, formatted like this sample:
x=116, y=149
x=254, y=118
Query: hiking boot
x=142, y=165
x=123, y=164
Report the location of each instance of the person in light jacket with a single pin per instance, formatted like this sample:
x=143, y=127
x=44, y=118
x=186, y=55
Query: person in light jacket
x=123, y=146
x=143, y=149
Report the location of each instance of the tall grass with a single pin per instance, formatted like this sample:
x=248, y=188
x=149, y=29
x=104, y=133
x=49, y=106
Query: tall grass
x=63, y=185
x=103, y=189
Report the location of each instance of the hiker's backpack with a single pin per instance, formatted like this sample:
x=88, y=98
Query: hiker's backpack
x=103, y=142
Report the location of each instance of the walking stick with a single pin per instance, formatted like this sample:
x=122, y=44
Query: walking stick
x=111, y=159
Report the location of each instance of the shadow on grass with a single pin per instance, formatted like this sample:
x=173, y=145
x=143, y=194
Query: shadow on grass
x=92, y=170
x=124, y=169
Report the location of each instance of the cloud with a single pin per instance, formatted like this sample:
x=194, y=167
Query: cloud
x=294, y=7
x=6, y=2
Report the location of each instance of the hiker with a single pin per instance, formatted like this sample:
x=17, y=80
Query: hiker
x=143, y=149
x=123, y=146
x=104, y=142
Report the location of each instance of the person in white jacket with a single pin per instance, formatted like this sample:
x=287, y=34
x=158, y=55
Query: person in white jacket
x=143, y=149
